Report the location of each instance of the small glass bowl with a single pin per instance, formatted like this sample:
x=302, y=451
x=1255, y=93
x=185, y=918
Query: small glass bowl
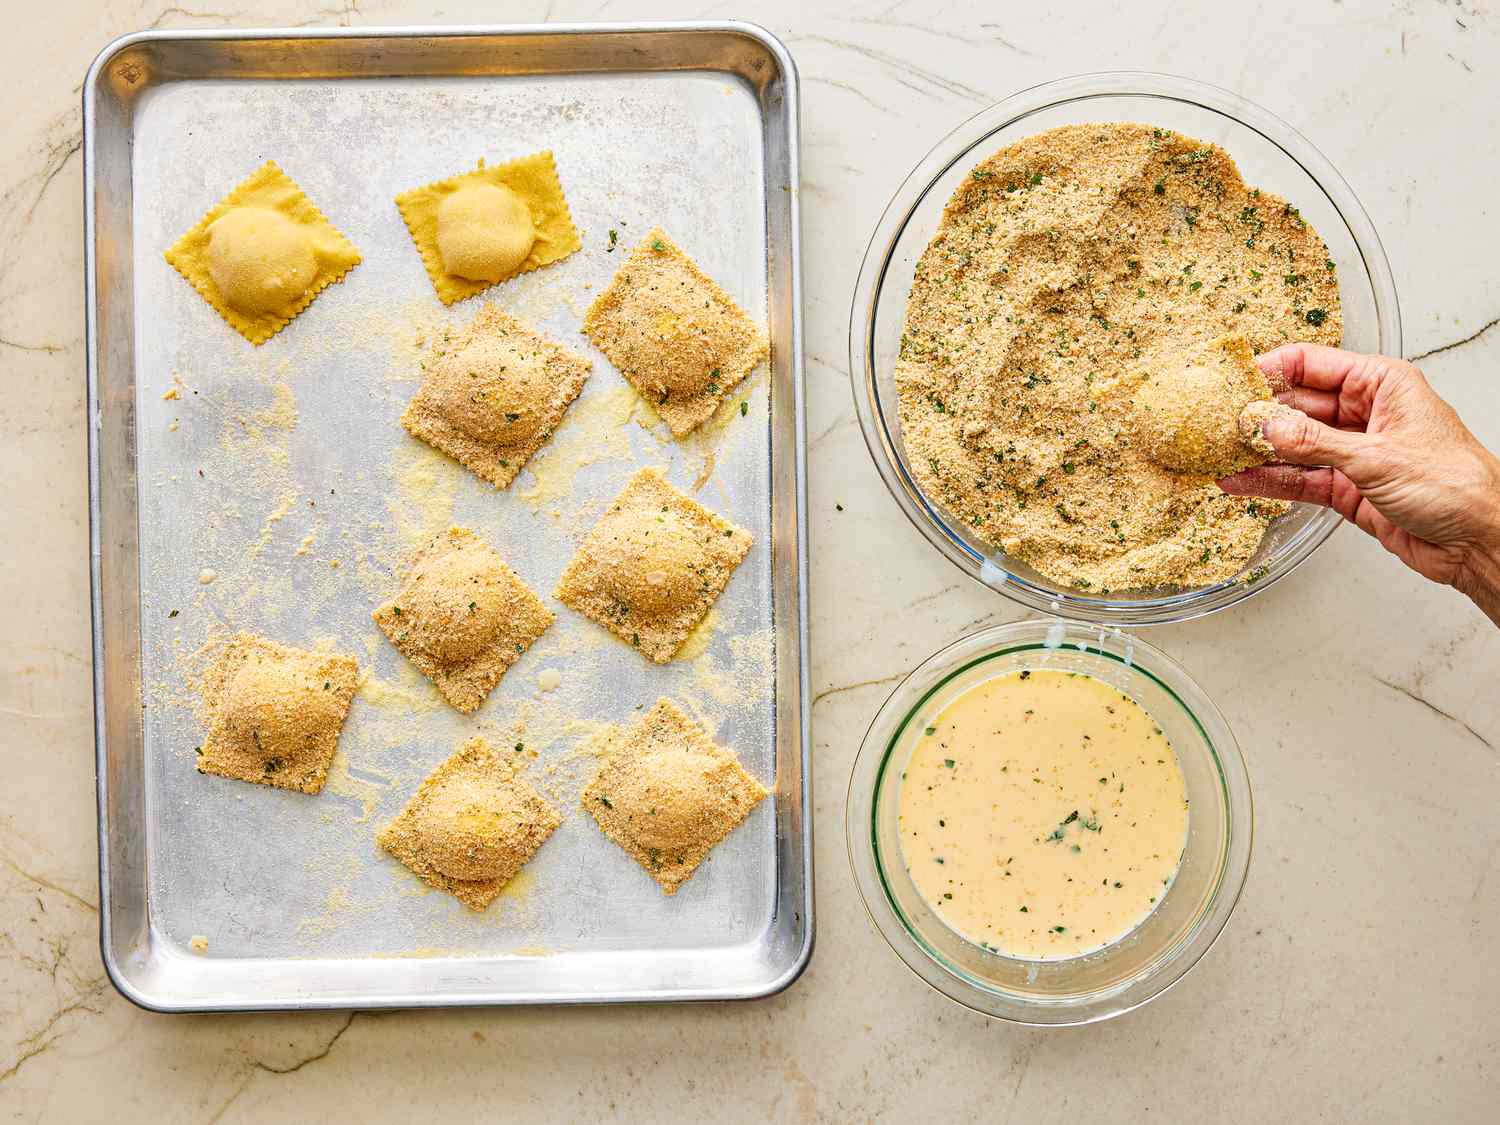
x=1270, y=154
x=1189, y=917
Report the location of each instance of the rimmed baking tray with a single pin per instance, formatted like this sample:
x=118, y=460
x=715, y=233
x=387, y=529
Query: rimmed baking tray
x=270, y=466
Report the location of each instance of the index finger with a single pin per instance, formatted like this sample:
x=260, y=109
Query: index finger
x=1308, y=365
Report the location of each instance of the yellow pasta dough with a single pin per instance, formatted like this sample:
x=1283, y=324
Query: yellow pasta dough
x=667, y=794
x=493, y=395
x=462, y=617
x=679, y=338
x=262, y=254
x=479, y=228
x=471, y=825
x=653, y=565
x=275, y=712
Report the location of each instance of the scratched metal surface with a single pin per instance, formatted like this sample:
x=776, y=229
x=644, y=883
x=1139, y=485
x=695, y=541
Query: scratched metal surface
x=298, y=904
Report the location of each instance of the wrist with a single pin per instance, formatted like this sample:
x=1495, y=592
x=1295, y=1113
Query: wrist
x=1479, y=576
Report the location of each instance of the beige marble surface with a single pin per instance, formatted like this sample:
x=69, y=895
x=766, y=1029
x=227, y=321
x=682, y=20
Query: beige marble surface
x=1356, y=981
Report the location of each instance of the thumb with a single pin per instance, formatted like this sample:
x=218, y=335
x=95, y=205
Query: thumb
x=1300, y=440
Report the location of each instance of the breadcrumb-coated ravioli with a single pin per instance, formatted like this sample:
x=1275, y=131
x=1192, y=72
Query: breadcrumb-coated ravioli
x=262, y=254
x=653, y=565
x=493, y=395
x=1187, y=414
x=462, y=617
x=483, y=227
x=473, y=823
x=667, y=794
x=275, y=712
x=681, y=340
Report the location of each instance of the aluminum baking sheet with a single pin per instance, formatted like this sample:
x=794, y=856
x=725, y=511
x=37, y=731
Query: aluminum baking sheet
x=282, y=470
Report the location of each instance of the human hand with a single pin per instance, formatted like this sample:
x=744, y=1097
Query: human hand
x=1375, y=443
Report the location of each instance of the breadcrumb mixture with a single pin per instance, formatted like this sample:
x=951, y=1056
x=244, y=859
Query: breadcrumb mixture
x=1065, y=266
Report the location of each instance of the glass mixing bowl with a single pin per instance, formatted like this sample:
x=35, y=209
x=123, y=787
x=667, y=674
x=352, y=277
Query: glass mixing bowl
x=1270, y=154
x=1185, y=923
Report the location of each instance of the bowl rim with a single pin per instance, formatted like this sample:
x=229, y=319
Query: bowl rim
x=956, y=146
x=874, y=755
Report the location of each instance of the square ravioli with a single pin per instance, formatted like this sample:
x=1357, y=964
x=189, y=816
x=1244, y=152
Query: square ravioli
x=275, y=712
x=462, y=617
x=480, y=228
x=471, y=825
x=262, y=254
x=679, y=338
x=493, y=395
x=667, y=794
x=653, y=565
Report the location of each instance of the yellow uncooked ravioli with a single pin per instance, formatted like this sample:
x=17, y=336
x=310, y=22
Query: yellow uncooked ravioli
x=482, y=227
x=667, y=793
x=471, y=825
x=653, y=565
x=462, y=617
x=275, y=712
x=679, y=338
x=262, y=254
x=493, y=395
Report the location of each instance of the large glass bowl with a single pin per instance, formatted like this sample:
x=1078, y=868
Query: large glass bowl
x=1270, y=154
x=1189, y=916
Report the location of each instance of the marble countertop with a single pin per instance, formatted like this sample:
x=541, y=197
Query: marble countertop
x=1353, y=983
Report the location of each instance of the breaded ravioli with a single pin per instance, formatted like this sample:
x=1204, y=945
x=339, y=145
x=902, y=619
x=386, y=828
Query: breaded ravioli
x=667, y=794
x=1187, y=411
x=462, y=617
x=473, y=823
x=653, y=565
x=275, y=712
x=677, y=337
x=493, y=395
